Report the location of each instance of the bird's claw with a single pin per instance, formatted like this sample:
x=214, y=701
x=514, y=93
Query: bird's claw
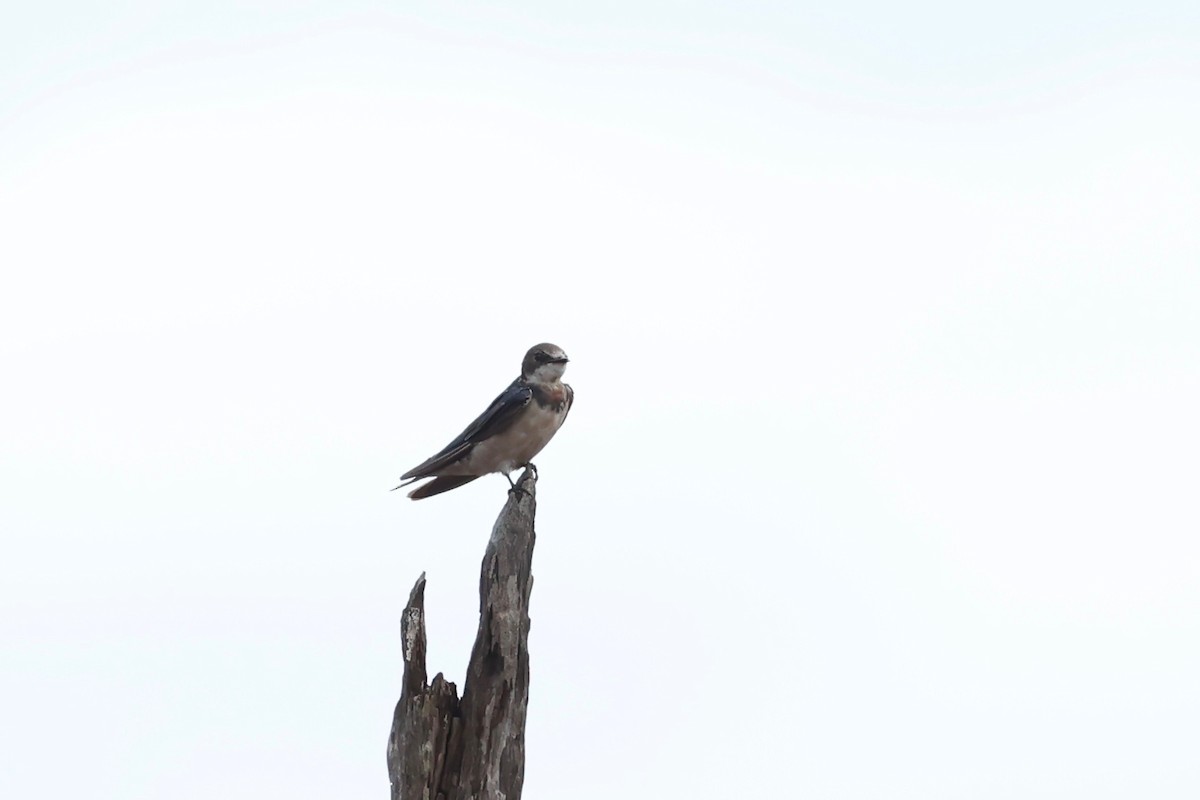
x=514, y=488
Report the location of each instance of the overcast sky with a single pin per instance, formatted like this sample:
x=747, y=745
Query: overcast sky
x=882, y=476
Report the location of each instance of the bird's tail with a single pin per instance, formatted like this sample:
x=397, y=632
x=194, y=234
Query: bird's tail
x=440, y=484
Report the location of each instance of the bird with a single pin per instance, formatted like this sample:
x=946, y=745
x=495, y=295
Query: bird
x=505, y=437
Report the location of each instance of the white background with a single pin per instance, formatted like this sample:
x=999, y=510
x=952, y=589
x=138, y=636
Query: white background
x=882, y=476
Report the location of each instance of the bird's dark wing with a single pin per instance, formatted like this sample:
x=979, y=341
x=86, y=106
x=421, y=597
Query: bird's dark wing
x=570, y=401
x=499, y=415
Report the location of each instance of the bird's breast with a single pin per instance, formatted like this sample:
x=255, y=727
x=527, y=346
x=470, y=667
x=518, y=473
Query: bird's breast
x=553, y=396
x=520, y=442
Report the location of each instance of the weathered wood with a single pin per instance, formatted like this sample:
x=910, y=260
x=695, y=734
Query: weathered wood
x=444, y=748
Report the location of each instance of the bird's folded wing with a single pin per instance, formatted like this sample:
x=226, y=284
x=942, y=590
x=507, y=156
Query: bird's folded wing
x=496, y=419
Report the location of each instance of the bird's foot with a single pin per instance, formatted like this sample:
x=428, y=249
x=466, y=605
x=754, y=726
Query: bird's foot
x=514, y=488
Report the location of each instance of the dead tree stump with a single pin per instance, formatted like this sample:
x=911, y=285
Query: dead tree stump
x=444, y=748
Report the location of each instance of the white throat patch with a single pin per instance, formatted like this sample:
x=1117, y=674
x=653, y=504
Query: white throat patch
x=548, y=373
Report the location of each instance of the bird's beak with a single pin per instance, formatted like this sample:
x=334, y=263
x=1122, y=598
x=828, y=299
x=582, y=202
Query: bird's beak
x=562, y=360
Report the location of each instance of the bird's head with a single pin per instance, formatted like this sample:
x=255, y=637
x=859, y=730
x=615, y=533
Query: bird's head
x=544, y=363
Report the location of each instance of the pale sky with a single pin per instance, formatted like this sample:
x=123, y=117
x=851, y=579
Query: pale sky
x=881, y=480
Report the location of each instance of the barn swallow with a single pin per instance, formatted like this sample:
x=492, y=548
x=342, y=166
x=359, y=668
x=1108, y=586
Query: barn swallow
x=513, y=429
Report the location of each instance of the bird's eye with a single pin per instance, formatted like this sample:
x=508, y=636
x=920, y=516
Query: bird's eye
x=542, y=357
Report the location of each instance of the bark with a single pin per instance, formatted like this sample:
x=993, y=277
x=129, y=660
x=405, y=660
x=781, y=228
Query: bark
x=444, y=748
